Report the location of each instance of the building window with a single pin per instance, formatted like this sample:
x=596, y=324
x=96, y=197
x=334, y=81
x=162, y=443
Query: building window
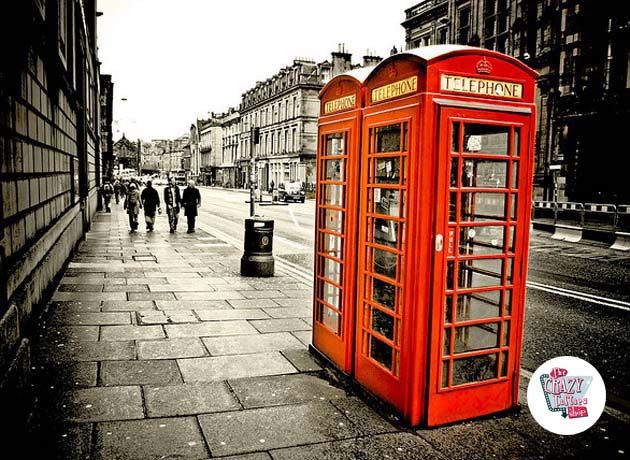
x=463, y=25
x=286, y=110
x=442, y=36
x=286, y=136
x=294, y=106
x=294, y=139
x=496, y=25
x=628, y=69
x=272, y=140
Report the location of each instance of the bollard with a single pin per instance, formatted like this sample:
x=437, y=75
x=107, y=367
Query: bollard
x=257, y=257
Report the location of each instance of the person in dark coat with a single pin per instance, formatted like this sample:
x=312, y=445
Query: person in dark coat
x=132, y=204
x=151, y=202
x=191, y=200
x=172, y=201
x=107, y=193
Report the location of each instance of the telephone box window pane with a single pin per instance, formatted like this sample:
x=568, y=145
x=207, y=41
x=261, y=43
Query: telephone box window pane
x=388, y=138
x=333, y=220
x=335, y=144
x=333, y=195
x=405, y=143
x=381, y=352
x=509, y=266
x=334, y=170
x=386, y=201
x=331, y=270
x=481, y=240
x=512, y=242
x=478, y=337
x=332, y=245
x=478, y=305
x=387, y=170
x=330, y=319
x=486, y=139
x=386, y=232
x=454, y=171
x=484, y=173
x=513, y=208
x=385, y=263
x=383, y=323
x=506, y=333
x=504, y=363
x=455, y=138
x=444, y=374
x=330, y=294
x=517, y=145
x=450, y=268
x=448, y=309
x=452, y=207
x=507, y=309
x=480, y=273
x=514, y=174
x=482, y=206
x=446, y=349
x=384, y=293
x=474, y=369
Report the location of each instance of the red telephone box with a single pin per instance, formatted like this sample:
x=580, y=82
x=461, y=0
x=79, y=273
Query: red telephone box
x=444, y=193
x=336, y=226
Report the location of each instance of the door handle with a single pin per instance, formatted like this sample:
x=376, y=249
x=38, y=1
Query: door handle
x=439, y=242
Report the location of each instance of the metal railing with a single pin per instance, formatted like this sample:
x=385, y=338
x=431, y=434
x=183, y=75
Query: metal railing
x=589, y=216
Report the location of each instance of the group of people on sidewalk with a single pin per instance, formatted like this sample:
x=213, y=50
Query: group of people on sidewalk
x=149, y=200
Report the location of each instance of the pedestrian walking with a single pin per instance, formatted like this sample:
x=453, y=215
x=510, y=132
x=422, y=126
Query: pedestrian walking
x=117, y=190
x=107, y=193
x=133, y=204
x=151, y=202
x=172, y=201
x=272, y=185
x=191, y=200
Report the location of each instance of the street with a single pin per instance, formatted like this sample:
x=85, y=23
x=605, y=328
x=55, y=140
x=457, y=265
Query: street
x=578, y=301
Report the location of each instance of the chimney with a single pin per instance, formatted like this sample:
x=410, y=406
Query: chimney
x=370, y=59
x=341, y=60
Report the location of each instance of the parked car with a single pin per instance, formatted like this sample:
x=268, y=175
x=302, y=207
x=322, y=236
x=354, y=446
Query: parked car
x=292, y=191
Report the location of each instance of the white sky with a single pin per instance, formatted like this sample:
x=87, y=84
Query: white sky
x=176, y=60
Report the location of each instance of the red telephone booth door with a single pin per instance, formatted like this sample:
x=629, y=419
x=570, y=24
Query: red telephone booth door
x=333, y=326
x=388, y=159
x=483, y=198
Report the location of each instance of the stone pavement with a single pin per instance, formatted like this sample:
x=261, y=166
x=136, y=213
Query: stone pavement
x=153, y=347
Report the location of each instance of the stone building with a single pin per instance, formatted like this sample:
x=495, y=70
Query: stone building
x=231, y=134
x=50, y=170
x=106, y=115
x=195, y=154
x=210, y=147
x=127, y=153
x=581, y=48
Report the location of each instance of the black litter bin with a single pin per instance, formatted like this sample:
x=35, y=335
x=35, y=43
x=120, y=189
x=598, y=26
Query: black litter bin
x=257, y=258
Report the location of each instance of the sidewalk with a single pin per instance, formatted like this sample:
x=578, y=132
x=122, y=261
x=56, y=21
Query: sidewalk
x=153, y=347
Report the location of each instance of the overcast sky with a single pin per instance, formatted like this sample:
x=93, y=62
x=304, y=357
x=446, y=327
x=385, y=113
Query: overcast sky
x=176, y=60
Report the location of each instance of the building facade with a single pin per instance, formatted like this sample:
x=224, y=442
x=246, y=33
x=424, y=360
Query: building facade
x=106, y=115
x=210, y=148
x=127, y=153
x=229, y=171
x=581, y=48
x=49, y=170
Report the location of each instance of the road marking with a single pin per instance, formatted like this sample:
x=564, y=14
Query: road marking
x=612, y=303
x=295, y=221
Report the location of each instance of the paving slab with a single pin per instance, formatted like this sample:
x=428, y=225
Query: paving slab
x=363, y=417
x=68, y=374
x=280, y=325
x=151, y=296
x=189, y=399
x=74, y=306
x=167, y=317
x=209, y=329
x=128, y=305
x=63, y=334
x=192, y=304
x=87, y=351
x=149, y=281
x=80, y=288
x=284, y=389
x=97, y=319
x=155, y=372
x=234, y=366
x=226, y=315
x=101, y=403
x=298, y=293
x=169, y=438
x=116, y=333
x=294, y=302
x=262, y=294
x=92, y=296
x=127, y=288
x=183, y=287
x=254, y=456
x=252, y=303
x=302, y=359
x=396, y=446
x=289, y=312
x=305, y=337
x=268, y=428
x=171, y=349
x=244, y=344
x=216, y=295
